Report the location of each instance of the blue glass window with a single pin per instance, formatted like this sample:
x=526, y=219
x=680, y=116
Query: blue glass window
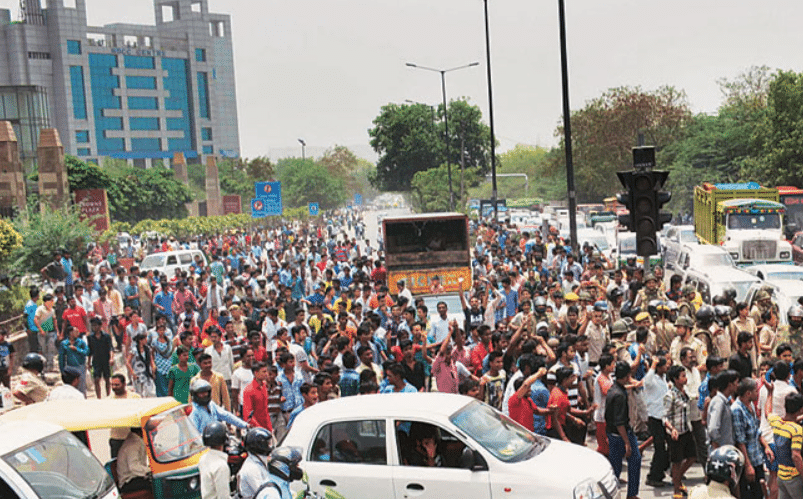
x=145, y=145
x=74, y=47
x=203, y=95
x=78, y=93
x=84, y=151
x=141, y=82
x=144, y=123
x=200, y=55
x=177, y=87
x=208, y=150
x=206, y=133
x=143, y=103
x=103, y=84
x=139, y=62
x=82, y=136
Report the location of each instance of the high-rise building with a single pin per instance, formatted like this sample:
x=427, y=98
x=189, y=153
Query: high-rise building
x=128, y=91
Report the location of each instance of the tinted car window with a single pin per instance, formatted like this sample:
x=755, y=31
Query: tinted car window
x=361, y=442
x=411, y=437
x=171, y=260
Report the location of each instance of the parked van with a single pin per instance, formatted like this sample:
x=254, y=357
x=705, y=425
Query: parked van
x=167, y=262
x=42, y=460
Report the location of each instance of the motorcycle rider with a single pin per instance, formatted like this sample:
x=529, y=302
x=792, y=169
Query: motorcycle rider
x=213, y=467
x=283, y=468
x=722, y=472
x=254, y=472
x=205, y=411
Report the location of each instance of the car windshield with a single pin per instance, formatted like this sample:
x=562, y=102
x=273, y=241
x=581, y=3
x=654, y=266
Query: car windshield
x=754, y=221
x=452, y=303
x=688, y=236
x=793, y=274
x=498, y=434
x=598, y=241
x=716, y=260
x=173, y=436
x=627, y=244
x=742, y=287
x=60, y=466
x=152, y=262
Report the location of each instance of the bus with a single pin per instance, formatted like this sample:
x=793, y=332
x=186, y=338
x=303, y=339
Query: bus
x=421, y=247
x=792, y=198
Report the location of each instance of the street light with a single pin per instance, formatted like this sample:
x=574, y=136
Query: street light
x=303, y=147
x=494, y=192
x=431, y=108
x=445, y=116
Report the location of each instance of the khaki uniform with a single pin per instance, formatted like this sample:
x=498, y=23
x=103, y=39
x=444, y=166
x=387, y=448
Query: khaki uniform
x=793, y=336
x=32, y=385
x=679, y=344
x=665, y=332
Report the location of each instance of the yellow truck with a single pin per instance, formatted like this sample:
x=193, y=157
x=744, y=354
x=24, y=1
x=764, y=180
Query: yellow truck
x=419, y=248
x=746, y=219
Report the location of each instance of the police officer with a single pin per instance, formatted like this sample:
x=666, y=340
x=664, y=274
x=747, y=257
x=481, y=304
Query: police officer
x=283, y=468
x=254, y=472
x=722, y=472
x=665, y=331
x=792, y=333
x=205, y=411
x=687, y=305
x=213, y=467
x=651, y=291
x=31, y=388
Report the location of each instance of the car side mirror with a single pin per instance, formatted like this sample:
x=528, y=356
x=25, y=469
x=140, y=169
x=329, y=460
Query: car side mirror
x=472, y=460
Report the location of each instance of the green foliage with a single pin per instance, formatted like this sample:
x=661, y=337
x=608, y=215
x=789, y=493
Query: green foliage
x=10, y=240
x=305, y=181
x=430, y=188
x=83, y=175
x=46, y=230
x=606, y=129
x=12, y=302
x=409, y=139
x=532, y=161
x=136, y=194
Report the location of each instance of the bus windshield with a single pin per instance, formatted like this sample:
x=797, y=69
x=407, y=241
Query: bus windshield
x=754, y=221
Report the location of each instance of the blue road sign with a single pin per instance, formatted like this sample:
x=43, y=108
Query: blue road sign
x=270, y=196
x=358, y=199
x=313, y=209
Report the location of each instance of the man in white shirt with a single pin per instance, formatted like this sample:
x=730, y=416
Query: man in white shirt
x=213, y=467
x=655, y=387
x=242, y=377
x=270, y=326
x=222, y=357
x=70, y=376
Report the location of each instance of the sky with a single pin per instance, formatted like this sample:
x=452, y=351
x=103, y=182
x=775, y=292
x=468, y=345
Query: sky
x=321, y=69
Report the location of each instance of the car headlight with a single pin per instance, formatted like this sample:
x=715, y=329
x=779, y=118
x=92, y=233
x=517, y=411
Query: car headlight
x=590, y=489
x=785, y=254
x=194, y=483
x=735, y=256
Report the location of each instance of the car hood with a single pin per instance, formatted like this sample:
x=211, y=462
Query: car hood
x=754, y=235
x=555, y=478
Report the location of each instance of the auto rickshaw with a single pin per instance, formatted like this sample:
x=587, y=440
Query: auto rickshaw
x=174, y=446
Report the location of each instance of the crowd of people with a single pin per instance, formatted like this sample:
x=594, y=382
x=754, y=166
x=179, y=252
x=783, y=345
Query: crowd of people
x=278, y=320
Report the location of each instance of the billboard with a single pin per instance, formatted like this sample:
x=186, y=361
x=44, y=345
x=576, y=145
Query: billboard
x=95, y=207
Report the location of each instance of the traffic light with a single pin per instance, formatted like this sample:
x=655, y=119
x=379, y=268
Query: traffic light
x=626, y=198
x=662, y=197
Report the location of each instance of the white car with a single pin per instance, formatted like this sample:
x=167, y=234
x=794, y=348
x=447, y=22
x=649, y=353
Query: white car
x=359, y=448
x=785, y=293
x=776, y=272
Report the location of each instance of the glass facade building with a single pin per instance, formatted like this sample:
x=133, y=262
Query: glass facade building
x=134, y=92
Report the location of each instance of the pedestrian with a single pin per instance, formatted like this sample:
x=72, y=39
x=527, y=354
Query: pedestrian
x=73, y=352
x=748, y=439
x=622, y=442
x=68, y=390
x=788, y=437
x=162, y=348
x=101, y=355
x=213, y=467
x=179, y=376
x=719, y=423
x=6, y=359
x=141, y=366
x=45, y=320
x=118, y=435
x=655, y=389
x=677, y=404
x=255, y=397
x=602, y=383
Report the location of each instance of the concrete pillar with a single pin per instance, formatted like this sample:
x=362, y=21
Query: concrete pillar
x=179, y=165
x=54, y=187
x=12, y=174
x=214, y=202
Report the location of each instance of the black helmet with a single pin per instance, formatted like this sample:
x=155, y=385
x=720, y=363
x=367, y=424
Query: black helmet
x=540, y=304
x=705, y=316
x=729, y=292
x=201, y=392
x=614, y=294
x=723, y=313
x=258, y=441
x=284, y=463
x=725, y=465
x=215, y=434
x=795, y=315
x=653, y=306
x=34, y=362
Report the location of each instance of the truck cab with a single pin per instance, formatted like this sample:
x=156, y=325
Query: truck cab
x=754, y=231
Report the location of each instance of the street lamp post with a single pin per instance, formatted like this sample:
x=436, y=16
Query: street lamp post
x=445, y=117
x=303, y=149
x=494, y=192
x=567, y=129
x=431, y=108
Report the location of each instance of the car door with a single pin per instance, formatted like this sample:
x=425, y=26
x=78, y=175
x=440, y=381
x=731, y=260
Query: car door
x=412, y=479
x=170, y=265
x=351, y=458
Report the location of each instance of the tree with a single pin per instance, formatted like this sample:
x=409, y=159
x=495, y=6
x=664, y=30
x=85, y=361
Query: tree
x=535, y=163
x=430, y=189
x=305, y=181
x=606, y=129
x=410, y=138
x=136, y=194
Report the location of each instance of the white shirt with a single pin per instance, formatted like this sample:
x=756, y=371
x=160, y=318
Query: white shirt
x=222, y=362
x=241, y=378
x=509, y=391
x=213, y=469
x=269, y=329
x=655, y=387
x=301, y=357
x=65, y=392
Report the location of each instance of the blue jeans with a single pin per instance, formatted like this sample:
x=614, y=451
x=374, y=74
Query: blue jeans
x=616, y=452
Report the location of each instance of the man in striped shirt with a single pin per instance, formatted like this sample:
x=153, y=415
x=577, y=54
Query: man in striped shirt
x=676, y=421
x=788, y=437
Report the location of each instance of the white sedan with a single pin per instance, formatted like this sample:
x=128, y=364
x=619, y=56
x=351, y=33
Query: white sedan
x=363, y=447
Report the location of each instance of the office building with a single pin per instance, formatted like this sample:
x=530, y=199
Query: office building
x=134, y=92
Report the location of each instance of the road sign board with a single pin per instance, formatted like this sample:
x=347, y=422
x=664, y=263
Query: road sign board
x=270, y=195
x=358, y=199
x=313, y=209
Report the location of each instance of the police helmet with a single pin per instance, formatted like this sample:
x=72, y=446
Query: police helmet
x=283, y=463
x=795, y=315
x=34, y=362
x=725, y=465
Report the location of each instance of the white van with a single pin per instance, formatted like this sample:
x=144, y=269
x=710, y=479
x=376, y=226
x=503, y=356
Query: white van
x=167, y=262
x=42, y=460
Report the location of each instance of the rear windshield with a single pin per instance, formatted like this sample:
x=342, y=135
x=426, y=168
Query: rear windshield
x=173, y=436
x=153, y=262
x=426, y=235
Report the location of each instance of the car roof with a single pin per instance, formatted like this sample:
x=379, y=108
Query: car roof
x=772, y=267
x=704, y=248
x=387, y=405
x=19, y=433
x=725, y=274
x=789, y=287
